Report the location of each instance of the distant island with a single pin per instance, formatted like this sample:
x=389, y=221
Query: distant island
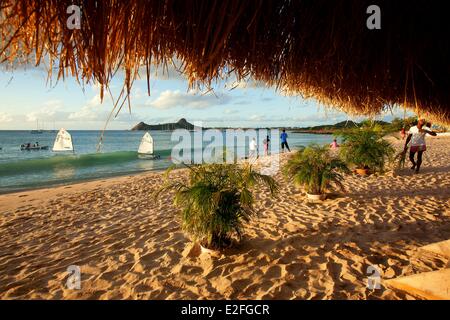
x=180, y=124
x=184, y=124
x=331, y=128
x=393, y=126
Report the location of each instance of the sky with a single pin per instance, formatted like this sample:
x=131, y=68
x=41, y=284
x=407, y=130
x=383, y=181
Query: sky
x=28, y=101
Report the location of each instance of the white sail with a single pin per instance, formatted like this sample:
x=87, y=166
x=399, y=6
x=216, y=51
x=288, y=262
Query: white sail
x=63, y=141
x=146, y=146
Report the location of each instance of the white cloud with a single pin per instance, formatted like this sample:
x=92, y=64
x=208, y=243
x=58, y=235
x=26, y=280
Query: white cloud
x=92, y=113
x=242, y=84
x=257, y=117
x=49, y=111
x=95, y=101
x=137, y=93
x=5, y=117
x=170, y=99
x=87, y=113
x=230, y=111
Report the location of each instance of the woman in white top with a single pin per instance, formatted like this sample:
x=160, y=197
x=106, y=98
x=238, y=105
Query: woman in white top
x=417, y=135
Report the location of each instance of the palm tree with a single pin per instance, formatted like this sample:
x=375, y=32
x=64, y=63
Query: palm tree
x=217, y=200
x=315, y=169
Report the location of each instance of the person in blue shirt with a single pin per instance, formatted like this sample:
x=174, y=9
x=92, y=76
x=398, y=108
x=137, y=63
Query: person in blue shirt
x=284, y=141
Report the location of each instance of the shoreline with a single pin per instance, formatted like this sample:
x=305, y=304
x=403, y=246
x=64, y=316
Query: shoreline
x=82, y=181
x=111, y=176
x=87, y=185
x=81, y=186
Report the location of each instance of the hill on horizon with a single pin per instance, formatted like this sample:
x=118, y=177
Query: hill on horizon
x=180, y=124
x=326, y=128
x=341, y=125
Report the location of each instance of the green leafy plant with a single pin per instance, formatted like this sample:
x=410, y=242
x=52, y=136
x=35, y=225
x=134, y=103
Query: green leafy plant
x=217, y=200
x=366, y=149
x=315, y=169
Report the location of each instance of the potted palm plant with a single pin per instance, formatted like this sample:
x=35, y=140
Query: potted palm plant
x=316, y=170
x=216, y=201
x=366, y=149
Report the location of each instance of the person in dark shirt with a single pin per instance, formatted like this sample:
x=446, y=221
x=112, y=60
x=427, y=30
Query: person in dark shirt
x=284, y=143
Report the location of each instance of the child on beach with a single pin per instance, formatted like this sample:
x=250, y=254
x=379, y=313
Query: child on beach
x=266, y=142
x=417, y=135
x=334, y=144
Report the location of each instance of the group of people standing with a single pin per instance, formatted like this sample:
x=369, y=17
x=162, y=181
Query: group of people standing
x=415, y=140
x=253, y=148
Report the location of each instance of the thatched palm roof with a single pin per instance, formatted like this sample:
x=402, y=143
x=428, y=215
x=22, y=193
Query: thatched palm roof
x=317, y=48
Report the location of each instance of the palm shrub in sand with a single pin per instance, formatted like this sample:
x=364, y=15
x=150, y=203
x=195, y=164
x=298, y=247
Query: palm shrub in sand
x=217, y=200
x=366, y=149
x=315, y=169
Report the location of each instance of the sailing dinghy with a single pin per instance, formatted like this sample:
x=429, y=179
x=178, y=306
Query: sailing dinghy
x=146, y=147
x=63, y=141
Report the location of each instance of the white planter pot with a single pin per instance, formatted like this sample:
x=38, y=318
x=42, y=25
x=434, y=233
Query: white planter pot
x=211, y=252
x=316, y=197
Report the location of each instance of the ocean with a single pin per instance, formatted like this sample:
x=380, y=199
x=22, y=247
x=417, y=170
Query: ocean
x=22, y=170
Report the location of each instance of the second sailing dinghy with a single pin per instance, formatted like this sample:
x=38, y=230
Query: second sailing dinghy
x=63, y=141
x=146, y=147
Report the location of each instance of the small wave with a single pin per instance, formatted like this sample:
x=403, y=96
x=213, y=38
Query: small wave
x=71, y=161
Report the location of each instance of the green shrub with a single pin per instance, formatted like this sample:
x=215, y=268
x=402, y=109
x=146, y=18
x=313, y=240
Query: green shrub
x=366, y=149
x=315, y=169
x=217, y=200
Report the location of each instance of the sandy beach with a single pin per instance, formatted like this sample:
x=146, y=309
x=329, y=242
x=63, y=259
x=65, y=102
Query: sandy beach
x=130, y=246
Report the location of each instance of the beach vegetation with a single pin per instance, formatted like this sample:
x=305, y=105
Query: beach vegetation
x=365, y=148
x=217, y=200
x=398, y=124
x=315, y=169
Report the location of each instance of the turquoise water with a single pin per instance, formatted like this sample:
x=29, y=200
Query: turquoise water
x=34, y=169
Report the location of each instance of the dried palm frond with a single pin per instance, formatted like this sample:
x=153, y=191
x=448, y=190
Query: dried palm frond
x=320, y=48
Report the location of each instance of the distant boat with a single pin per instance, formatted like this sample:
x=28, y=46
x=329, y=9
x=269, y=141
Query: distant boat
x=146, y=148
x=37, y=131
x=63, y=141
x=26, y=147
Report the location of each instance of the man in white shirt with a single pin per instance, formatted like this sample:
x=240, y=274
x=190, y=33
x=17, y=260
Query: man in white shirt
x=253, y=148
x=416, y=136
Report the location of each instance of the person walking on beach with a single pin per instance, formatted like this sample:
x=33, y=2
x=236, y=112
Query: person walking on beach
x=284, y=143
x=417, y=135
x=266, y=143
x=253, y=149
